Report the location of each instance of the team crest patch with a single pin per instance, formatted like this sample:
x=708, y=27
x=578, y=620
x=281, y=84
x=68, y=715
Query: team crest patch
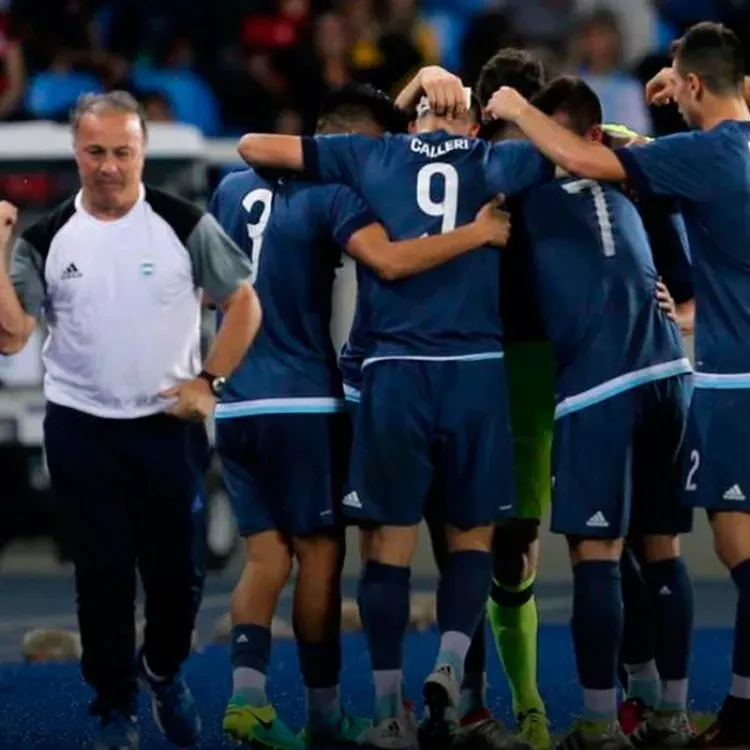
x=147, y=268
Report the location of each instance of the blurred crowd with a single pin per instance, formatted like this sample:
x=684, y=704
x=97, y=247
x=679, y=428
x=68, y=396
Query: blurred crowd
x=230, y=66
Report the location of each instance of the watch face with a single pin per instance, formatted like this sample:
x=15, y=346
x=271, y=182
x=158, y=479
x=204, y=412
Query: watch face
x=217, y=386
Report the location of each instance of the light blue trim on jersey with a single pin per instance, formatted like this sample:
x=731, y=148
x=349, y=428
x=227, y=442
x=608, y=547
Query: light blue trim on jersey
x=620, y=384
x=351, y=394
x=279, y=406
x=482, y=356
x=722, y=380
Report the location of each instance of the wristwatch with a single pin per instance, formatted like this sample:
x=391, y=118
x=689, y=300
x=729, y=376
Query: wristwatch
x=217, y=382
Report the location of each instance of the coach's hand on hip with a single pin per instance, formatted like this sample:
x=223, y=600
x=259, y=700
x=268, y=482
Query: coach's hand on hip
x=195, y=400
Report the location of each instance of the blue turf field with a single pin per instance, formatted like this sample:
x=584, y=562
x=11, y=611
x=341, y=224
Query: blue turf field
x=43, y=707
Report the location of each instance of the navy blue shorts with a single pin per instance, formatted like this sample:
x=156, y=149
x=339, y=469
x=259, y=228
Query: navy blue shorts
x=285, y=472
x=617, y=464
x=716, y=472
x=437, y=430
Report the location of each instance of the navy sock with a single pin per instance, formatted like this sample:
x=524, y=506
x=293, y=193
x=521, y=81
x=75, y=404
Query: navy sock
x=384, y=607
x=672, y=606
x=597, y=633
x=741, y=658
x=637, y=630
x=320, y=664
x=250, y=653
x=462, y=594
x=475, y=665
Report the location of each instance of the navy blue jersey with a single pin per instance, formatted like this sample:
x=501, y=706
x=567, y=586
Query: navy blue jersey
x=294, y=233
x=667, y=235
x=428, y=184
x=596, y=284
x=709, y=173
x=353, y=351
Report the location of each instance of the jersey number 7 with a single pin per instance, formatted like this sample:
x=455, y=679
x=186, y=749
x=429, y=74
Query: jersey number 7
x=264, y=198
x=601, y=210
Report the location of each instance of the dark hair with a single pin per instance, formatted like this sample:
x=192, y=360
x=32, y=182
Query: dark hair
x=355, y=102
x=113, y=101
x=714, y=54
x=512, y=67
x=575, y=98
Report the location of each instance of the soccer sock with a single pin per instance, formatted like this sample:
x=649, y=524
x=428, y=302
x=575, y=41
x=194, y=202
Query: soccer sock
x=320, y=664
x=597, y=631
x=475, y=680
x=515, y=623
x=462, y=591
x=250, y=654
x=672, y=607
x=641, y=678
x=384, y=605
x=741, y=659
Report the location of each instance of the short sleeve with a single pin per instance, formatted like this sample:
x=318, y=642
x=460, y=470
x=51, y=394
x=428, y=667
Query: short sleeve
x=27, y=276
x=337, y=158
x=677, y=165
x=219, y=265
x=348, y=214
x=510, y=167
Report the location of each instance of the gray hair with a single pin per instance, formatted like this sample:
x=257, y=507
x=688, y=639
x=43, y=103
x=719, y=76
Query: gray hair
x=113, y=101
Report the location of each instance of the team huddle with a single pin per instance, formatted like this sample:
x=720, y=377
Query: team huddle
x=524, y=277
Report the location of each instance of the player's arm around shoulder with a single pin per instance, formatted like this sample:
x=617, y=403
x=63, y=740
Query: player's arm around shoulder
x=393, y=260
x=272, y=151
x=21, y=288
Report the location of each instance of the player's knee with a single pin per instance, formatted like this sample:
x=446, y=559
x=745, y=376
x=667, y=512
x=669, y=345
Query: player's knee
x=269, y=557
x=321, y=554
x=657, y=547
x=478, y=539
x=393, y=545
x=583, y=550
x=515, y=551
x=731, y=536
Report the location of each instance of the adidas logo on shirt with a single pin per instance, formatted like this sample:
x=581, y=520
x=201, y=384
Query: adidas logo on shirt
x=71, y=272
x=598, y=521
x=734, y=493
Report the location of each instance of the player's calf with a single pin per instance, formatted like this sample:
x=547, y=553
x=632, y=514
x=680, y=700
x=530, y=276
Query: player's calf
x=462, y=592
x=597, y=625
x=317, y=627
x=249, y=717
x=732, y=543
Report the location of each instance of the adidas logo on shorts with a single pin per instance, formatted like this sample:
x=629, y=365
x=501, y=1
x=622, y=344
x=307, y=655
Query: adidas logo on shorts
x=598, y=521
x=352, y=500
x=734, y=493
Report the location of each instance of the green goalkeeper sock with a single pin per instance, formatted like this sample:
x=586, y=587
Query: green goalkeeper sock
x=513, y=618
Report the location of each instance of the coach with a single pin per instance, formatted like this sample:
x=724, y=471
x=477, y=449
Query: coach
x=118, y=272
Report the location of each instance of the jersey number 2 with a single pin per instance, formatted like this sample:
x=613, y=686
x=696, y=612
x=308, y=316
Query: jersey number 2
x=601, y=209
x=445, y=208
x=264, y=198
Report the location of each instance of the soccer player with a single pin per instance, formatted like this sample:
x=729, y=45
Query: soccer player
x=708, y=171
x=281, y=434
x=433, y=400
x=621, y=373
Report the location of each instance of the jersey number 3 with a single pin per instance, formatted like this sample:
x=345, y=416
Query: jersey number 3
x=263, y=198
x=601, y=209
x=446, y=177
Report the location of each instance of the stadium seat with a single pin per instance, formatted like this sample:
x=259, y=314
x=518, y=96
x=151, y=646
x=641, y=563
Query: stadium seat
x=449, y=30
x=190, y=97
x=51, y=95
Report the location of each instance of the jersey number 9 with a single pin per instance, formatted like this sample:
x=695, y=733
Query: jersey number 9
x=446, y=176
x=263, y=198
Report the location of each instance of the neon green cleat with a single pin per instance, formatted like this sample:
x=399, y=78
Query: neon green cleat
x=533, y=728
x=347, y=732
x=259, y=726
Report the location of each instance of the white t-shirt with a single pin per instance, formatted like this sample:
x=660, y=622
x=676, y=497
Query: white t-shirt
x=122, y=299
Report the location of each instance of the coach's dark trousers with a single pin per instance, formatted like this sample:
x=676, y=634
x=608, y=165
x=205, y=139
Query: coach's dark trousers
x=126, y=493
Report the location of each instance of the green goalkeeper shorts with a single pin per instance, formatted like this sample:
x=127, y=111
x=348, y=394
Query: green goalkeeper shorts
x=530, y=367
